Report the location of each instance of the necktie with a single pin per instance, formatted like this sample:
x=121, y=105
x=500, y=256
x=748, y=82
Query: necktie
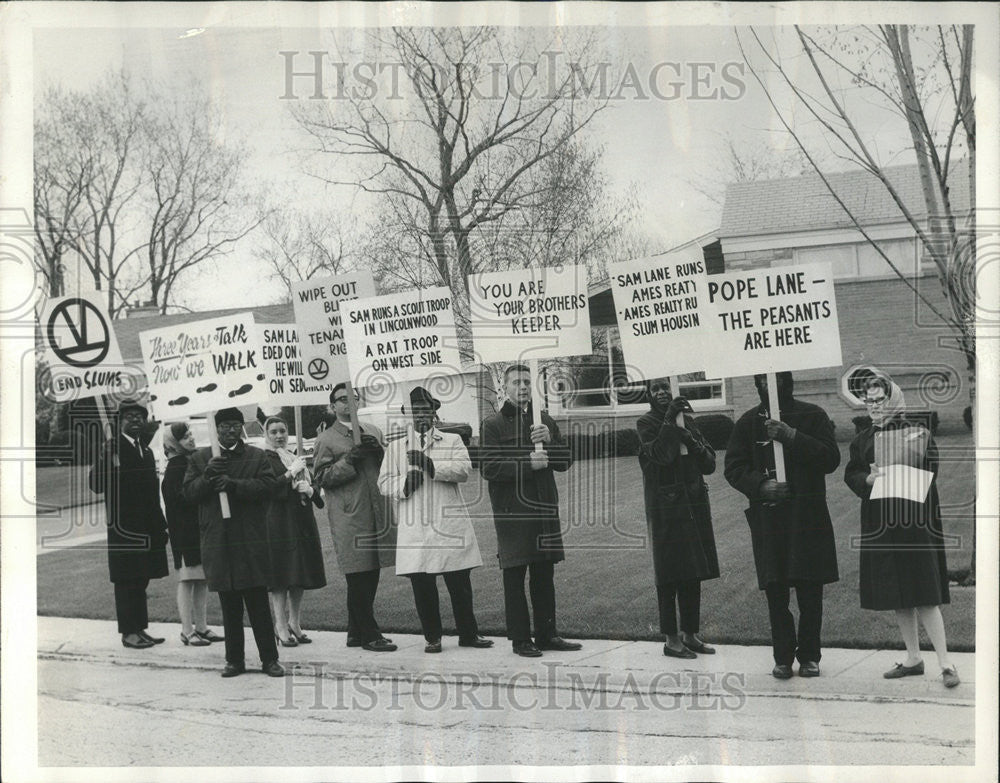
x=423, y=436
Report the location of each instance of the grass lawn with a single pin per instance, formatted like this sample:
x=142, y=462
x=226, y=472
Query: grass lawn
x=605, y=588
x=63, y=486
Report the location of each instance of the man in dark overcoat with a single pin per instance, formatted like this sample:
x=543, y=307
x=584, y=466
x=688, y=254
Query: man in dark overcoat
x=790, y=528
x=125, y=472
x=234, y=551
x=526, y=511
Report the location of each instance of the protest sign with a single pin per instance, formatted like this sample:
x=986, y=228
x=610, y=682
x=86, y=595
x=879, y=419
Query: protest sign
x=401, y=337
x=288, y=376
x=202, y=366
x=530, y=314
x=771, y=320
x=319, y=323
x=81, y=351
x=661, y=322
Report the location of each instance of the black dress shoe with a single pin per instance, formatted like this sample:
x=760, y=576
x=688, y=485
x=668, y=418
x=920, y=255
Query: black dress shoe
x=559, y=644
x=527, y=649
x=233, y=670
x=698, y=646
x=433, y=647
x=273, y=669
x=380, y=645
x=140, y=644
x=684, y=652
x=354, y=641
x=809, y=669
x=476, y=641
x=152, y=639
x=782, y=671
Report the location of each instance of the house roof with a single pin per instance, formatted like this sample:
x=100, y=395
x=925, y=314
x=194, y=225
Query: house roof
x=804, y=203
x=127, y=329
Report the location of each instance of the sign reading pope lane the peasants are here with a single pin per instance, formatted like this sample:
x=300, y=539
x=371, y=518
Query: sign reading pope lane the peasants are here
x=771, y=320
x=401, y=337
x=81, y=350
x=318, y=304
x=202, y=366
x=661, y=321
x=530, y=314
x=288, y=379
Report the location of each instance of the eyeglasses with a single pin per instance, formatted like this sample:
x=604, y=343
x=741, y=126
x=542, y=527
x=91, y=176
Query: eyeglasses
x=340, y=399
x=229, y=425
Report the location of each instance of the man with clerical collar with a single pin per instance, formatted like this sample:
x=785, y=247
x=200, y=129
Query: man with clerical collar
x=526, y=511
x=125, y=472
x=234, y=550
x=361, y=526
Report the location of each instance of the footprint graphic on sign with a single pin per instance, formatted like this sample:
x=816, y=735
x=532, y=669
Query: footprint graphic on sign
x=242, y=390
x=178, y=401
x=210, y=387
x=152, y=398
x=260, y=377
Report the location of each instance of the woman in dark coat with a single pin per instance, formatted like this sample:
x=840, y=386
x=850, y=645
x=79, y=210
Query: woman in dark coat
x=185, y=543
x=903, y=566
x=673, y=459
x=292, y=536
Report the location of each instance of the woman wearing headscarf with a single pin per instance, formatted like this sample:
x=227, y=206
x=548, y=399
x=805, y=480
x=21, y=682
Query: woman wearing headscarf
x=185, y=539
x=673, y=458
x=292, y=536
x=903, y=565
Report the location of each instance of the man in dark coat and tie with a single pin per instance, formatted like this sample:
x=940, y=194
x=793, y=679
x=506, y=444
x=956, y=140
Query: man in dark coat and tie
x=125, y=472
x=234, y=551
x=790, y=528
x=526, y=511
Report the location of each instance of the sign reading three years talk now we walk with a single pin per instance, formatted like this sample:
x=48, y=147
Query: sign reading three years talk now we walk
x=770, y=320
x=401, y=337
x=659, y=304
x=527, y=314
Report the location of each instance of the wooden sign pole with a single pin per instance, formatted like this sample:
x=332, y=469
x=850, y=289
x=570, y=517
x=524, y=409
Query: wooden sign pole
x=298, y=430
x=774, y=410
x=675, y=392
x=352, y=406
x=213, y=438
x=536, y=396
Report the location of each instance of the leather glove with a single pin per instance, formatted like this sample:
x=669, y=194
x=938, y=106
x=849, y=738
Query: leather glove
x=217, y=466
x=420, y=460
x=356, y=454
x=221, y=483
x=370, y=443
x=779, y=431
x=414, y=480
x=772, y=490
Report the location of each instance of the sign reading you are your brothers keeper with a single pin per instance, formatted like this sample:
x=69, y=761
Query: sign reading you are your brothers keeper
x=401, y=337
x=659, y=303
x=288, y=380
x=203, y=366
x=319, y=322
x=529, y=314
x=81, y=350
x=770, y=320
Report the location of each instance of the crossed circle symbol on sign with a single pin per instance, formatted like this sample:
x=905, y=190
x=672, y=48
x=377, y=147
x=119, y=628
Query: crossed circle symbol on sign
x=77, y=316
x=318, y=369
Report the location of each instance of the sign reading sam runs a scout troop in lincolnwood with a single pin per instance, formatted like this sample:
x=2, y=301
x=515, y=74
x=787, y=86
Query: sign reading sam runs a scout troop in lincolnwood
x=320, y=325
x=81, y=351
x=401, y=337
x=203, y=365
x=659, y=303
x=771, y=320
x=289, y=380
x=530, y=314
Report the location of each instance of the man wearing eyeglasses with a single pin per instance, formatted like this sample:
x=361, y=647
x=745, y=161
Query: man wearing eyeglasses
x=360, y=517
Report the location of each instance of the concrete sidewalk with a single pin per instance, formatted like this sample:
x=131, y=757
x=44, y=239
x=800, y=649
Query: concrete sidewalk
x=592, y=706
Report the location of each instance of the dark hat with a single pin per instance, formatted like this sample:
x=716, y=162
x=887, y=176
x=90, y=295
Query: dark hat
x=229, y=414
x=132, y=405
x=420, y=396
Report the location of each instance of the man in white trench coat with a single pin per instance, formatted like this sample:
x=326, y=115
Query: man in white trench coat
x=421, y=473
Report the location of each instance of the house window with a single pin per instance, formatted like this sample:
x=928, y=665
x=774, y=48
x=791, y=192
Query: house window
x=861, y=261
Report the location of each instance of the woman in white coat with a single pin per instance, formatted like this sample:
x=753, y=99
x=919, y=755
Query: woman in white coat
x=421, y=473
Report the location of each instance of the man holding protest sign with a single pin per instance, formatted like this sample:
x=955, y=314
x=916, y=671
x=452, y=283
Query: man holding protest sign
x=234, y=550
x=526, y=511
x=346, y=465
x=790, y=526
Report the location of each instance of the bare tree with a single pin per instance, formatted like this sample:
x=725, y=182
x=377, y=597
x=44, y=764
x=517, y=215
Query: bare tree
x=298, y=246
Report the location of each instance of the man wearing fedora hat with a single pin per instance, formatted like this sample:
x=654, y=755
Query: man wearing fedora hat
x=421, y=473
x=125, y=472
x=234, y=551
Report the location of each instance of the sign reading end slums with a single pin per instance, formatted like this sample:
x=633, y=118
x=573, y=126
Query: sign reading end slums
x=528, y=314
x=770, y=320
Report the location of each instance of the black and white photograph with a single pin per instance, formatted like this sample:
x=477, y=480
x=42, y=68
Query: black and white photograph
x=665, y=334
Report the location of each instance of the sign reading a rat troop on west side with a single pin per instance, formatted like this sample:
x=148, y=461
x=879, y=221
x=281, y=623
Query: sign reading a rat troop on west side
x=527, y=314
x=659, y=303
x=401, y=337
x=203, y=366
